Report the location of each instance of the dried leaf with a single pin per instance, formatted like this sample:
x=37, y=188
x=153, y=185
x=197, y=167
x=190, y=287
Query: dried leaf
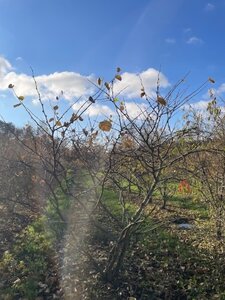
x=55, y=107
x=107, y=86
x=73, y=118
x=66, y=124
x=58, y=123
x=118, y=69
x=118, y=77
x=91, y=99
x=51, y=119
x=105, y=125
x=10, y=86
x=127, y=142
x=16, y=105
x=211, y=80
x=99, y=81
x=85, y=132
x=161, y=100
x=142, y=94
x=21, y=98
x=122, y=107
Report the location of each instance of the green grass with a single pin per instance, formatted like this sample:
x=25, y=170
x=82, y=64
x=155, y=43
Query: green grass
x=169, y=264
x=25, y=265
x=29, y=259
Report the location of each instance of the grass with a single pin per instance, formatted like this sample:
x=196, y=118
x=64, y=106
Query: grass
x=168, y=262
x=25, y=266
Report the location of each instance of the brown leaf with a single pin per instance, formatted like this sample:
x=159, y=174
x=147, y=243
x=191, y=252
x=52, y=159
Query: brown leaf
x=105, y=125
x=107, y=86
x=122, y=107
x=55, y=107
x=91, y=99
x=58, y=123
x=161, y=100
x=16, y=105
x=10, y=86
x=211, y=80
x=142, y=94
x=51, y=119
x=118, y=77
x=85, y=132
x=99, y=81
x=73, y=118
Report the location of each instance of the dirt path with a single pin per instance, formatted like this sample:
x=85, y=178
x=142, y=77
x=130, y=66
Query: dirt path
x=74, y=262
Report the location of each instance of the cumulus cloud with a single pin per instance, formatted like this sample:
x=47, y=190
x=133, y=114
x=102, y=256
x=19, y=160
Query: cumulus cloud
x=194, y=41
x=221, y=89
x=135, y=110
x=5, y=66
x=209, y=7
x=130, y=86
x=75, y=86
x=93, y=110
x=200, y=105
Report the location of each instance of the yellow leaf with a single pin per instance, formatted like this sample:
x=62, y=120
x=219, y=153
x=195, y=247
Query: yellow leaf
x=21, y=98
x=105, y=125
x=211, y=80
x=161, y=100
x=118, y=77
x=58, y=123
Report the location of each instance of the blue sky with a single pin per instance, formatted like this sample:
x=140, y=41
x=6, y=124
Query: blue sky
x=79, y=39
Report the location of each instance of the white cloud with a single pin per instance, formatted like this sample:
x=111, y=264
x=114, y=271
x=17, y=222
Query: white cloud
x=170, y=40
x=135, y=110
x=130, y=86
x=200, y=105
x=5, y=66
x=94, y=110
x=75, y=85
x=221, y=89
x=209, y=7
x=194, y=41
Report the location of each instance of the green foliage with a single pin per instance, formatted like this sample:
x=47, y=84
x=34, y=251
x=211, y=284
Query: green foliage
x=55, y=224
x=26, y=264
